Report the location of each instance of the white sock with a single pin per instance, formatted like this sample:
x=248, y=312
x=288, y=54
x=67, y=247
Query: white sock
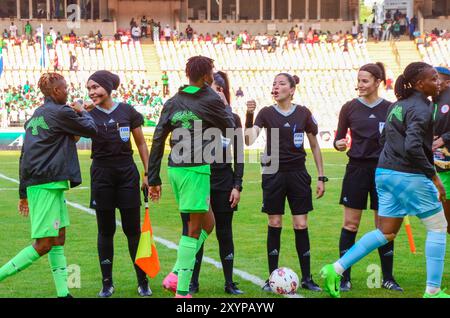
x=432, y=290
x=338, y=268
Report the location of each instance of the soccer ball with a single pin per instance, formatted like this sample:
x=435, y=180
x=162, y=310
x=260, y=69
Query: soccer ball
x=283, y=281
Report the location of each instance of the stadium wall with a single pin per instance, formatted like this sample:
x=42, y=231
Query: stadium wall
x=266, y=26
x=442, y=23
x=107, y=28
x=166, y=12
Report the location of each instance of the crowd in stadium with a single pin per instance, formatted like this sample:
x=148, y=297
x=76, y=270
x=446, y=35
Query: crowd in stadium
x=17, y=104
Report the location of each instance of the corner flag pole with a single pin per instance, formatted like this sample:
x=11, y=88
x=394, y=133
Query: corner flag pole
x=412, y=245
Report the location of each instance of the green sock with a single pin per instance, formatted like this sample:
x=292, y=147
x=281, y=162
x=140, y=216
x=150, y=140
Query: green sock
x=58, y=264
x=186, y=260
x=202, y=238
x=21, y=261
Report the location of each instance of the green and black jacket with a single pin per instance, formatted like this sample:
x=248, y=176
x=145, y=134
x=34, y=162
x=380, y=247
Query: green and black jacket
x=408, y=136
x=187, y=109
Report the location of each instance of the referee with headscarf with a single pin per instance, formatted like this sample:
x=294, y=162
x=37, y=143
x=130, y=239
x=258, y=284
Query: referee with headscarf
x=114, y=175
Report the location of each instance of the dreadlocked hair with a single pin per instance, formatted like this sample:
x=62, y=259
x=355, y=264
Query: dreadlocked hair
x=199, y=66
x=47, y=82
x=404, y=85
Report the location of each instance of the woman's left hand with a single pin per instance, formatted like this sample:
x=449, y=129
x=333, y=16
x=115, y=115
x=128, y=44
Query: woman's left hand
x=320, y=189
x=144, y=183
x=235, y=197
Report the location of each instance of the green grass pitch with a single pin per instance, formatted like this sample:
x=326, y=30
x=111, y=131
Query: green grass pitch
x=250, y=230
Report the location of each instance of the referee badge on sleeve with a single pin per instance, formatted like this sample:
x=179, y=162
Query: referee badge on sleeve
x=124, y=133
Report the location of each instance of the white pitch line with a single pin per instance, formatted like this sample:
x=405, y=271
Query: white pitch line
x=170, y=245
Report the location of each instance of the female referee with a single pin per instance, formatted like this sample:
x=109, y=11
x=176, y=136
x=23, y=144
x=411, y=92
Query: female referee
x=291, y=180
x=226, y=187
x=365, y=117
x=114, y=175
x=407, y=182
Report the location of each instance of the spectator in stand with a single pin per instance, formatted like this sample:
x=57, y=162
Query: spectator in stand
x=99, y=36
x=388, y=15
x=167, y=33
x=72, y=61
x=366, y=29
x=355, y=30
x=132, y=23
x=49, y=41
x=396, y=30
x=117, y=36
x=412, y=27
x=28, y=30
x=136, y=33
x=13, y=30
x=190, y=32
x=403, y=22
x=144, y=25
x=386, y=27
x=5, y=34
x=301, y=35
x=239, y=93
x=55, y=63
x=165, y=81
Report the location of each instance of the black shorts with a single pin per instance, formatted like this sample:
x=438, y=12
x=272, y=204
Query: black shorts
x=115, y=187
x=358, y=184
x=220, y=202
x=293, y=185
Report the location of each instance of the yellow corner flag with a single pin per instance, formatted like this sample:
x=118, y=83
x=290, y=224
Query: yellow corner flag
x=147, y=255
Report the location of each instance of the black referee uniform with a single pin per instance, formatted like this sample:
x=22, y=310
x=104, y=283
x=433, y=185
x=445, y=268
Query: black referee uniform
x=224, y=178
x=115, y=182
x=291, y=181
x=365, y=122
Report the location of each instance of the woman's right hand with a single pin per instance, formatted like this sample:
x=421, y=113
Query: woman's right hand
x=88, y=106
x=251, y=106
x=341, y=144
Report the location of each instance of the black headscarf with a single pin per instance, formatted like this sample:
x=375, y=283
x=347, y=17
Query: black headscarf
x=106, y=79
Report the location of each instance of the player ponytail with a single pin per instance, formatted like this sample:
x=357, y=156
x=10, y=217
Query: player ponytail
x=293, y=79
x=404, y=85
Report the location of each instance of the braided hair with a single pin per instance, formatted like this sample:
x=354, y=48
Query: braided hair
x=48, y=81
x=404, y=85
x=199, y=66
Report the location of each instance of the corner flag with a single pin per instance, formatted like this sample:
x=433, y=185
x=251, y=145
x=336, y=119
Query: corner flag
x=147, y=255
x=42, y=60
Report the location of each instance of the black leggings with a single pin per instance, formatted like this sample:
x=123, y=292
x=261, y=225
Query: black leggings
x=106, y=221
x=224, y=234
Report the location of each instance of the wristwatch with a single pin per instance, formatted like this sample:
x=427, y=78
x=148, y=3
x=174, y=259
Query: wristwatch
x=238, y=187
x=323, y=178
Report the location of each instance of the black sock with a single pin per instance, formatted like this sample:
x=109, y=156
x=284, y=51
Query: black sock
x=303, y=252
x=106, y=223
x=273, y=247
x=346, y=241
x=131, y=219
x=198, y=264
x=224, y=233
x=105, y=246
x=386, y=253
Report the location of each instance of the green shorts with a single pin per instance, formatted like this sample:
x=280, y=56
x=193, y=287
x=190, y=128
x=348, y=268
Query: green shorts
x=445, y=178
x=191, y=186
x=48, y=210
